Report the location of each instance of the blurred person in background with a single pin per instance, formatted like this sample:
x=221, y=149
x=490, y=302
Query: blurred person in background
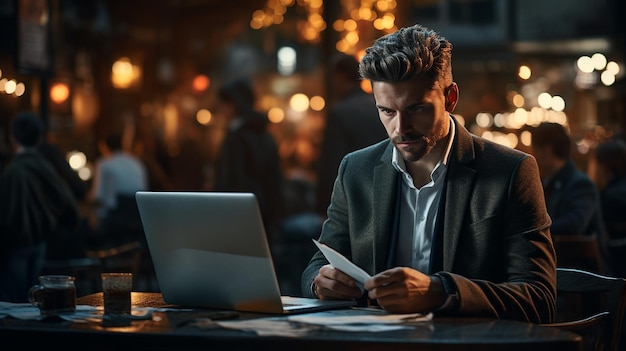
x=611, y=168
x=571, y=196
x=118, y=175
x=443, y=220
x=248, y=160
x=35, y=203
x=352, y=123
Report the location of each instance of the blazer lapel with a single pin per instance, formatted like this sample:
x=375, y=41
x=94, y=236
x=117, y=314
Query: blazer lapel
x=385, y=221
x=459, y=184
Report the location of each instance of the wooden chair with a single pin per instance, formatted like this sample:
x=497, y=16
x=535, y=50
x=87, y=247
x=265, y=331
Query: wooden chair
x=580, y=252
x=600, y=329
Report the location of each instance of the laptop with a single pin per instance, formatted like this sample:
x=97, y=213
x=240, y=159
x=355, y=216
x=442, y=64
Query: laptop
x=209, y=249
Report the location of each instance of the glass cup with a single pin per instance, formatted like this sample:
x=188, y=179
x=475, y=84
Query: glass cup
x=54, y=295
x=116, y=288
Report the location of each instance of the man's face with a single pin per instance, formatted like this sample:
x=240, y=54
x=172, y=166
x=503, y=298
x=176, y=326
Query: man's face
x=414, y=115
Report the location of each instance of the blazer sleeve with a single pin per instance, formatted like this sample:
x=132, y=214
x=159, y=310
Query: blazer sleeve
x=509, y=269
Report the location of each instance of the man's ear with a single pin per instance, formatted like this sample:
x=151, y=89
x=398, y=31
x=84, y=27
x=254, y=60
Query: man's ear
x=452, y=96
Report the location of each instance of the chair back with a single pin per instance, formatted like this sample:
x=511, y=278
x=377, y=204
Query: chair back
x=601, y=329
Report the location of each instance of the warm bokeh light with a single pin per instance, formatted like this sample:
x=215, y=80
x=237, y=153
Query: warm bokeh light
x=524, y=72
x=613, y=68
x=607, y=78
x=518, y=100
x=299, y=102
x=342, y=46
x=350, y=25
x=76, y=160
x=124, y=73
x=526, y=137
x=10, y=86
x=20, y=89
x=545, y=100
x=275, y=12
x=558, y=103
x=85, y=173
x=585, y=64
x=508, y=139
x=484, y=120
x=317, y=103
x=599, y=61
x=59, y=93
x=200, y=83
x=276, y=115
x=366, y=86
x=204, y=116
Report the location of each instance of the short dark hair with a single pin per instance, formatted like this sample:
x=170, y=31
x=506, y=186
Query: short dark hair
x=113, y=141
x=27, y=129
x=554, y=135
x=612, y=154
x=239, y=92
x=411, y=52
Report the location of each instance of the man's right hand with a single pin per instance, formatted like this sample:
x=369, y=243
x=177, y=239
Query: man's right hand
x=333, y=284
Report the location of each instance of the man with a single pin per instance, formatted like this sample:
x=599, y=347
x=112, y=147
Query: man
x=119, y=174
x=571, y=196
x=351, y=124
x=36, y=202
x=445, y=221
x=249, y=160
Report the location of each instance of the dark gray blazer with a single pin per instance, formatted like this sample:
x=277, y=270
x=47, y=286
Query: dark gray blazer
x=492, y=233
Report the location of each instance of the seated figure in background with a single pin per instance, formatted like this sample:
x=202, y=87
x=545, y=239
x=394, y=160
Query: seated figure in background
x=572, y=197
x=611, y=164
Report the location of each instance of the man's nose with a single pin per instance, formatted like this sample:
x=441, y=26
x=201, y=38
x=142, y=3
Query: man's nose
x=403, y=123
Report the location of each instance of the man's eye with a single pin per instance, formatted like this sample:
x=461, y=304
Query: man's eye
x=416, y=108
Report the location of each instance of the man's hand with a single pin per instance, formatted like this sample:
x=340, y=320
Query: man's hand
x=333, y=284
x=406, y=290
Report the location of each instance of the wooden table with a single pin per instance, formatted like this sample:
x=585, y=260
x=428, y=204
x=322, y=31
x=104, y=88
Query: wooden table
x=170, y=331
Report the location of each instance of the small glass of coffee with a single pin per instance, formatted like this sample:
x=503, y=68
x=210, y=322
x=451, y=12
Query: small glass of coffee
x=54, y=295
x=116, y=288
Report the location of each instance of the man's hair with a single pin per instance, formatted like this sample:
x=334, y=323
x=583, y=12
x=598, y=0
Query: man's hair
x=553, y=135
x=113, y=141
x=240, y=93
x=411, y=52
x=27, y=129
x=612, y=154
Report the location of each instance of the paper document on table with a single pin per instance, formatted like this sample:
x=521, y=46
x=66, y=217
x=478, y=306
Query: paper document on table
x=340, y=262
x=360, y=316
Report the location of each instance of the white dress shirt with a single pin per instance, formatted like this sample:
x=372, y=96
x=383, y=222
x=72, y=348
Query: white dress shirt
x=418, y=212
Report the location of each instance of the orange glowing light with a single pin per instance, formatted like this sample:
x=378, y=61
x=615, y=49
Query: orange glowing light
x=201, y=83
x=59, y=93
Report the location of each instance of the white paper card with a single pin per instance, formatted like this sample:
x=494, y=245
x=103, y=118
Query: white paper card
x=340, y=262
